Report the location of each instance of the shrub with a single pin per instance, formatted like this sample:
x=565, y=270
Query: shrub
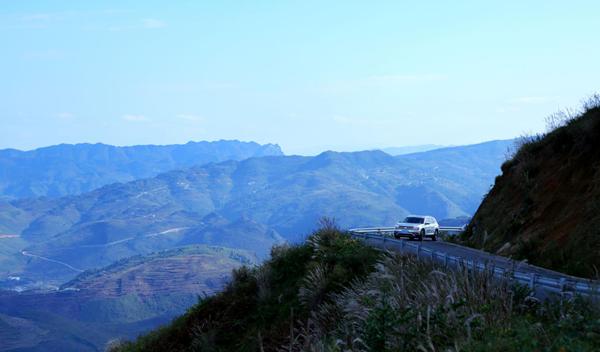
x=260, y=304
x=407, y=304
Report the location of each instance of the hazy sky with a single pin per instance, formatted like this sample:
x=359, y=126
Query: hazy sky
x=309, y=75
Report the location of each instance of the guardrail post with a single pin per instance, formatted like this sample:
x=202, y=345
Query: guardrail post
x=445, y=260
x=532, y=282
x=562, y=285
x=418, y=250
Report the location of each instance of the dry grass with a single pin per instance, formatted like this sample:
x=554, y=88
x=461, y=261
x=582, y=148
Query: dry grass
x=406, y=304
x=335, y=294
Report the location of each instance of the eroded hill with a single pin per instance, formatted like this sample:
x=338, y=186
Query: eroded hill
x=333, y=293
x=545, y=207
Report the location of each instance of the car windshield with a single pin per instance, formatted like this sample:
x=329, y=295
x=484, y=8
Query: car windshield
x=414, y=220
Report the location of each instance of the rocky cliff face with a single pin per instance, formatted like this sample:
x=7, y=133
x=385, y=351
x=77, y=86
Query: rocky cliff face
x=545, y=207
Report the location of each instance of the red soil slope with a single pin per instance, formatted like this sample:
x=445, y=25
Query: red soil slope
x=545, y=207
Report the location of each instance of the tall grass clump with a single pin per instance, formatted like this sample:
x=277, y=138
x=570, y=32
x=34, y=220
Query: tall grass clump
x=410, y=305
x=545, y=205
x=563, y=126
x=334, y=293
x=258, y=310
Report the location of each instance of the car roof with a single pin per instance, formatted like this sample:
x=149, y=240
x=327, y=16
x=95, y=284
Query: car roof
x=420, y=216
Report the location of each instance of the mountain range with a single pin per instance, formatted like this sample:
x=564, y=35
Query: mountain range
x=250, y=204
x=79, y=269
x=411, y=149
x=69, y=169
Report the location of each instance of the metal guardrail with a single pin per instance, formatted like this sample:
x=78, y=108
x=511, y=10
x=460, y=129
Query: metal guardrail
x=390, y=230
x=566, y=285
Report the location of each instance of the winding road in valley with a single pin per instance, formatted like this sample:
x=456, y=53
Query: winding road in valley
x=67, y=265
x=27, y=254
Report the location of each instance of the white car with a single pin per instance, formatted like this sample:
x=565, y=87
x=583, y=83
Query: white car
x=417, y=227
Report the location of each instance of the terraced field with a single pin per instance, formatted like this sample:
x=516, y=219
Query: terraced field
x=121, y=300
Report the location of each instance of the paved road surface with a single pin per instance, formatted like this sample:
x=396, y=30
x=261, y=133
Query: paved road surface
x=542, y=281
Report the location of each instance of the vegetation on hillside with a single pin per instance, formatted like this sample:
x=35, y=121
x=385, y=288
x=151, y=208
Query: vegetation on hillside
x=250, y=205
x=214, y=254
x=545, y=207
x=69, y=169
x=126, y=298
x=333, y=293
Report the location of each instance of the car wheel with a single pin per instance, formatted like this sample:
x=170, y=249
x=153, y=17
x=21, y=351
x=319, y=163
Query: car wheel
x=421, y=235
x=435, y=234
x=396, y=235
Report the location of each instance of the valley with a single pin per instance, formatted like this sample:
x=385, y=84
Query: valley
x=299, y=176
x=118, y=301
x=126, y=257
x=250, y=204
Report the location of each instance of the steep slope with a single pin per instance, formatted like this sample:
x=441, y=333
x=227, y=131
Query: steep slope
x=119, y=301
x=545, y=207
x=73, y=169
x=471, y=169
x=333, y=293
x=249, y=204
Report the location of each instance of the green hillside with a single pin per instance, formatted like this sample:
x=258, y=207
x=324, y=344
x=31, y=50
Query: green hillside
x=250, y=204
x=119, y=301
x=332, y=293
x=69, y=169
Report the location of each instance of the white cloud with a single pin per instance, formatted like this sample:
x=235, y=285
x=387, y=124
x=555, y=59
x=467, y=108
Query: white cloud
x=354, y=121
x=507, y=109
x=39, y=17
x=190, y=117
x=152, y=23
x=146, y=23
x=134, y=118
x=65, y=116
x=381, y=81
x=48, y=54
x=342, y=119
x=406, y=78
x=531, y=100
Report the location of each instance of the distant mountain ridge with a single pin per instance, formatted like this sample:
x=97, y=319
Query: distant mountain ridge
x=70, y=169
x=395, y=151
x=249, y=204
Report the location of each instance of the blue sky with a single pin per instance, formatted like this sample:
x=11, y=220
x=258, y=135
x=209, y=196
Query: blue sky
x=308, y=75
